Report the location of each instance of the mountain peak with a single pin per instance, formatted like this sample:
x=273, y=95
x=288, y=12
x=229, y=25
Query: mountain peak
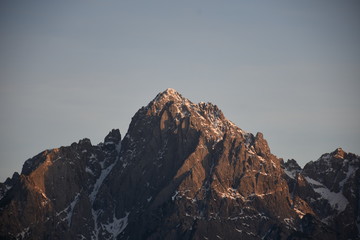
x=170, y=91
x=114, y=136
x=339, y=153
x=210, y=177
x=169, y=94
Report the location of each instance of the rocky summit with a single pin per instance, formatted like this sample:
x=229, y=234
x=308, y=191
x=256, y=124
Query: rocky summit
x=182, y=171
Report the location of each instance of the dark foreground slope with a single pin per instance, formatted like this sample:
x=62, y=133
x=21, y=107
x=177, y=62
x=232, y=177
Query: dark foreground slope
x=183, y=171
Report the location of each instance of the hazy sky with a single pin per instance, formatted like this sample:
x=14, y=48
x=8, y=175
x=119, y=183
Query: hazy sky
x=76, y=69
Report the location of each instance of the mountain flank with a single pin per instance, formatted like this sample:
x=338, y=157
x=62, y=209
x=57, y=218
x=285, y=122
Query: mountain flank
x=182, y=171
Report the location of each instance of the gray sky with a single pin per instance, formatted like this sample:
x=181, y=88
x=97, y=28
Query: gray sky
x=75, y=69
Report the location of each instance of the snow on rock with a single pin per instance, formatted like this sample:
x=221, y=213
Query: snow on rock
x=299, y=213
x=117, y=225
x=88, y=170
x=69, y=210
x=231, y=194
x=290, y=174
x=291, y=168
x=174, y=196
x=23, y=234
x=104, y=173
x=4, y=191
x=350, y=172
x=336, y=200
x=81, y=237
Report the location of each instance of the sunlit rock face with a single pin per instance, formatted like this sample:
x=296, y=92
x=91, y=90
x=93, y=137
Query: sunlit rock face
x=56, y=192
x=182, y=171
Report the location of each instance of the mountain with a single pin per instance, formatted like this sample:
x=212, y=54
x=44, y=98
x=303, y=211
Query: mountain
x=331, y=188
x=182, y=171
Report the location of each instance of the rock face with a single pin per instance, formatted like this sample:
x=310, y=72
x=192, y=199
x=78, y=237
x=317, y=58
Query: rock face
x=331, y=188
x=182, y=171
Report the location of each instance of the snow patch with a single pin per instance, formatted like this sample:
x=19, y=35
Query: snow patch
x=261, y=195
x=290, y=174
x=351, y=171
x=23, y=234
x=104, y=173
x=336, y=200
x=174, y=196
x=88, y=170
x=232, y=194
x=71, y=209
x=248, y=139
x=45, y=200
x=117, y=226
x=6, y=189
x=81, y=237
x=289, y=221
x=250, y=150
x=261, y=158
x=314, y=182
x=273, y=163
x=299, y=213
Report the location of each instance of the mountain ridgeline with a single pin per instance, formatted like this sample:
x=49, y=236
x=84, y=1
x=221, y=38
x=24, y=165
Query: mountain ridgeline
x=182, y=171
